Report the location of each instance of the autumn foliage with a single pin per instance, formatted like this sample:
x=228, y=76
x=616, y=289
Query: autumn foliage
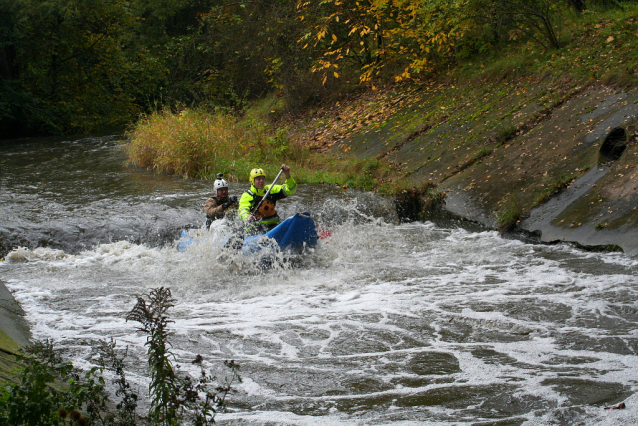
x=71, y=66
x=407, y=38
x=376, y=35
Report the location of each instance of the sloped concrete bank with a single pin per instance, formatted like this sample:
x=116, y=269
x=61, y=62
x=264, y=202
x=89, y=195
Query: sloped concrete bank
x=14, y=333
x=558, y=162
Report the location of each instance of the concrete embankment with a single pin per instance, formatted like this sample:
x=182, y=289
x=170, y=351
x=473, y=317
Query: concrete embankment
x=559, y=162
x=14, y=332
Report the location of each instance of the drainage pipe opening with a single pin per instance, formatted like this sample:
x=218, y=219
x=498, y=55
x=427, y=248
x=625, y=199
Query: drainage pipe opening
x=613, y=146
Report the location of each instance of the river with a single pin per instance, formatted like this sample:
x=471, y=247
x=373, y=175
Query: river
x=384, y=323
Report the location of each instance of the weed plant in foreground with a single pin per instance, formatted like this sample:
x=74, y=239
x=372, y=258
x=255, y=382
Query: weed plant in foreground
x=48, y=390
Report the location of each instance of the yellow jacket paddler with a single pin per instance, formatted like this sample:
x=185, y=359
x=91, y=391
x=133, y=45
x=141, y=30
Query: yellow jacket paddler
x=266, y=217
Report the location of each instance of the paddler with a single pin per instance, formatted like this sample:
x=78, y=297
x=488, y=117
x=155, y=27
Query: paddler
x=265, y=217
x=217, y=206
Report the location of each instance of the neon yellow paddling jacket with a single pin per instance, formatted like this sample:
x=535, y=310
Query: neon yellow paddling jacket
x=253, y=196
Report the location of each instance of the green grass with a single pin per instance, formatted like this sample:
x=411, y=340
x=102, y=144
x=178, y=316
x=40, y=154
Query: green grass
x=597, y=46
x=553, y=187
x=509, y=214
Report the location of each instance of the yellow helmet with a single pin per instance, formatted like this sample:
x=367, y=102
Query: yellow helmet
x=254, y=173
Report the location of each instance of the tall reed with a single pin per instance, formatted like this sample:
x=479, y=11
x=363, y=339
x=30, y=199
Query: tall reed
x=191, y=143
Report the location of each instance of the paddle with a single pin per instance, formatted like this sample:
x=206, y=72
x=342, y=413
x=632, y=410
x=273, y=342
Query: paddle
x=256, y=209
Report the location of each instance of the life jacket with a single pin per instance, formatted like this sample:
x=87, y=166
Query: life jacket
x=266, y=208
x=219, y=202
x=267, y=216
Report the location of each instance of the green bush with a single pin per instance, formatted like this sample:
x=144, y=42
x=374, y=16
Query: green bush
x=47, y=388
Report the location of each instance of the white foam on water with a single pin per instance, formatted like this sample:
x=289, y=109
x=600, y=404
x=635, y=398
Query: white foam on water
x=365, y=307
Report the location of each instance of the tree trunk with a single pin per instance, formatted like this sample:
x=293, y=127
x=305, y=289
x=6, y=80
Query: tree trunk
x=579, y=5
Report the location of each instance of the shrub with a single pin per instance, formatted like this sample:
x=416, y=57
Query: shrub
x=47, y=386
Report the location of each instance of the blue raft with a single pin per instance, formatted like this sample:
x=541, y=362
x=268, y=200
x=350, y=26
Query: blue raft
x=292, y=236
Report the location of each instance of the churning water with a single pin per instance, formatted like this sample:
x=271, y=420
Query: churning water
x=384, y=323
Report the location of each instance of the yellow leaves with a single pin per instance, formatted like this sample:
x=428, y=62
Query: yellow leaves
x=365, y=76
x=390, y=32
x=610, y=39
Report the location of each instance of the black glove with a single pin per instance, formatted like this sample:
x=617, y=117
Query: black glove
x=232, y=200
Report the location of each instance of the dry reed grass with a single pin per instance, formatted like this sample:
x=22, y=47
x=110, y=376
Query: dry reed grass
x=191, y=143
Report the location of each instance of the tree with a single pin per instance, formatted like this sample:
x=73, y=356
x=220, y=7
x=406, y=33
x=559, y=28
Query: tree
x=68, y=71
x=82, y=65
x=241, y=50
x=535, y=18
x=374, y=36
x=578, y=5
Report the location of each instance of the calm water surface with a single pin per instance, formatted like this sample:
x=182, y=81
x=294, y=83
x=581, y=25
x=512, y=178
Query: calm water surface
x=384, y=323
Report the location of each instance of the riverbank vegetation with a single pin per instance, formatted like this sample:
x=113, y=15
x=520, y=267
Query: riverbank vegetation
x=48, y=390
x=259, y=71
x=590, y=43
x=199, y=143
x=87, y=65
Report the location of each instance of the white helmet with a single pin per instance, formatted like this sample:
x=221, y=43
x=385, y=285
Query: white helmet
x=220, y=183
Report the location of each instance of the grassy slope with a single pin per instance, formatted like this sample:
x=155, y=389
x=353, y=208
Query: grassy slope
x=470, y=126
x=370, y=134
x=495, y=98
x=600, y=49
x=501, y=136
